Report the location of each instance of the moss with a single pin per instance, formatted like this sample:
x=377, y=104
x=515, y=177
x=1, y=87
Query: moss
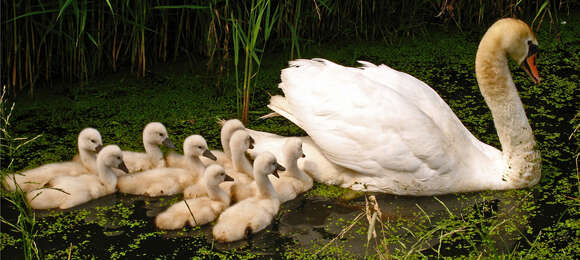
x=329, y=192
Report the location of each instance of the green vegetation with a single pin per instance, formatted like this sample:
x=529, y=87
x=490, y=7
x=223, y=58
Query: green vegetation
x=540, y=222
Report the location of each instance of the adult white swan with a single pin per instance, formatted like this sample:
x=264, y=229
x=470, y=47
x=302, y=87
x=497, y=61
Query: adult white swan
x=388, y=131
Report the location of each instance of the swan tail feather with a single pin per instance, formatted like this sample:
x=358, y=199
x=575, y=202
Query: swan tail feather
x=280, y=105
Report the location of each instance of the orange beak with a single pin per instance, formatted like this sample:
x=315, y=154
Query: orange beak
x=529, y=65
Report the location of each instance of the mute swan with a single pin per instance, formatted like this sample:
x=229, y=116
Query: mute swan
x=82, y=188
x=253, y=214
x=390, y=132
x=240, y=167
x=204, y=209
x=154, y=134
x=169, y=181
x=89, y=144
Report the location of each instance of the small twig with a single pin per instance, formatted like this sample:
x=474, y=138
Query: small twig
x=191, y=213
x=69, y=251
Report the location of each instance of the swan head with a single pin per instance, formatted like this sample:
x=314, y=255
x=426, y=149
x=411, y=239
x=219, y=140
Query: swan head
x=241, y=141
x=111, y=156
x=266, y=163
x=155, y=133
x=90, y=140
x=195, y=145
x=293, y=148
x=215, y=174
x=518, y=41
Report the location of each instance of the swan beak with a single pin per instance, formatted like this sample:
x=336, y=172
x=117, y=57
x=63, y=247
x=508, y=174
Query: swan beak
x=228, y=178
x=99, y=148
x=210, y=155
x=278, y=168
x=529, y=65
x=252, y=142
x=123, y=167
x=167, y=142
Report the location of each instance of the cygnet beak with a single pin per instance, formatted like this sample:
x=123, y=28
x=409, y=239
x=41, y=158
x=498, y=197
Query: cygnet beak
x=228, y=178
x=252, y=142
x=167, y=142
x=278, y=168
x=123, y=167
x=210, y=155
x=98, y=148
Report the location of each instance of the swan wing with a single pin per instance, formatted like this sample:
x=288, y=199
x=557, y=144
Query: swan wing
x=363, y=124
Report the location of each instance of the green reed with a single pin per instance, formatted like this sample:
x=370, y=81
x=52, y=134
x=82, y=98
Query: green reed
x=25, y=224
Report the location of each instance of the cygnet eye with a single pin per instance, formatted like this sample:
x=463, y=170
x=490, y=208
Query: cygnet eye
x=161, y=134
x=92, y=141
x=199, y=146
x=118, y=157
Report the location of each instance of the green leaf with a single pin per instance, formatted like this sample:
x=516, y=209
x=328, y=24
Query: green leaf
x=31, y=14
x=92, y=40
x=181, y=7
x=110, y=7
x=66, y=4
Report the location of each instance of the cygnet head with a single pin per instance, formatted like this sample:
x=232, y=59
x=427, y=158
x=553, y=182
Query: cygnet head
x=111, y=156
x=241, y=140
x=293, y=148
x=195, y=145
x=516, y=38
x=215, y=174
x=265, y=164
x=155, y=133
x=90, y=140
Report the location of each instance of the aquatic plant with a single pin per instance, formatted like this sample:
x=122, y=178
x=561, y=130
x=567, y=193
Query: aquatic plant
x=25, y=223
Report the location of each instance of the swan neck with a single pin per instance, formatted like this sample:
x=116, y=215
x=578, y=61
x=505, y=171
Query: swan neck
x=514, y=131
x=226, y=146
x=265, y=188
x=88, y=159
x=241, y=163
x=195, y=164
x=107, y=177
x=294, y=171
x=153, y=151
x=215, y=193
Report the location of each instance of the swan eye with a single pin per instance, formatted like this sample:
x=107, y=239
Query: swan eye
x=533, y=49
x=161, y=134
x=92, y=141
x=118, y=157
x=199, y=146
